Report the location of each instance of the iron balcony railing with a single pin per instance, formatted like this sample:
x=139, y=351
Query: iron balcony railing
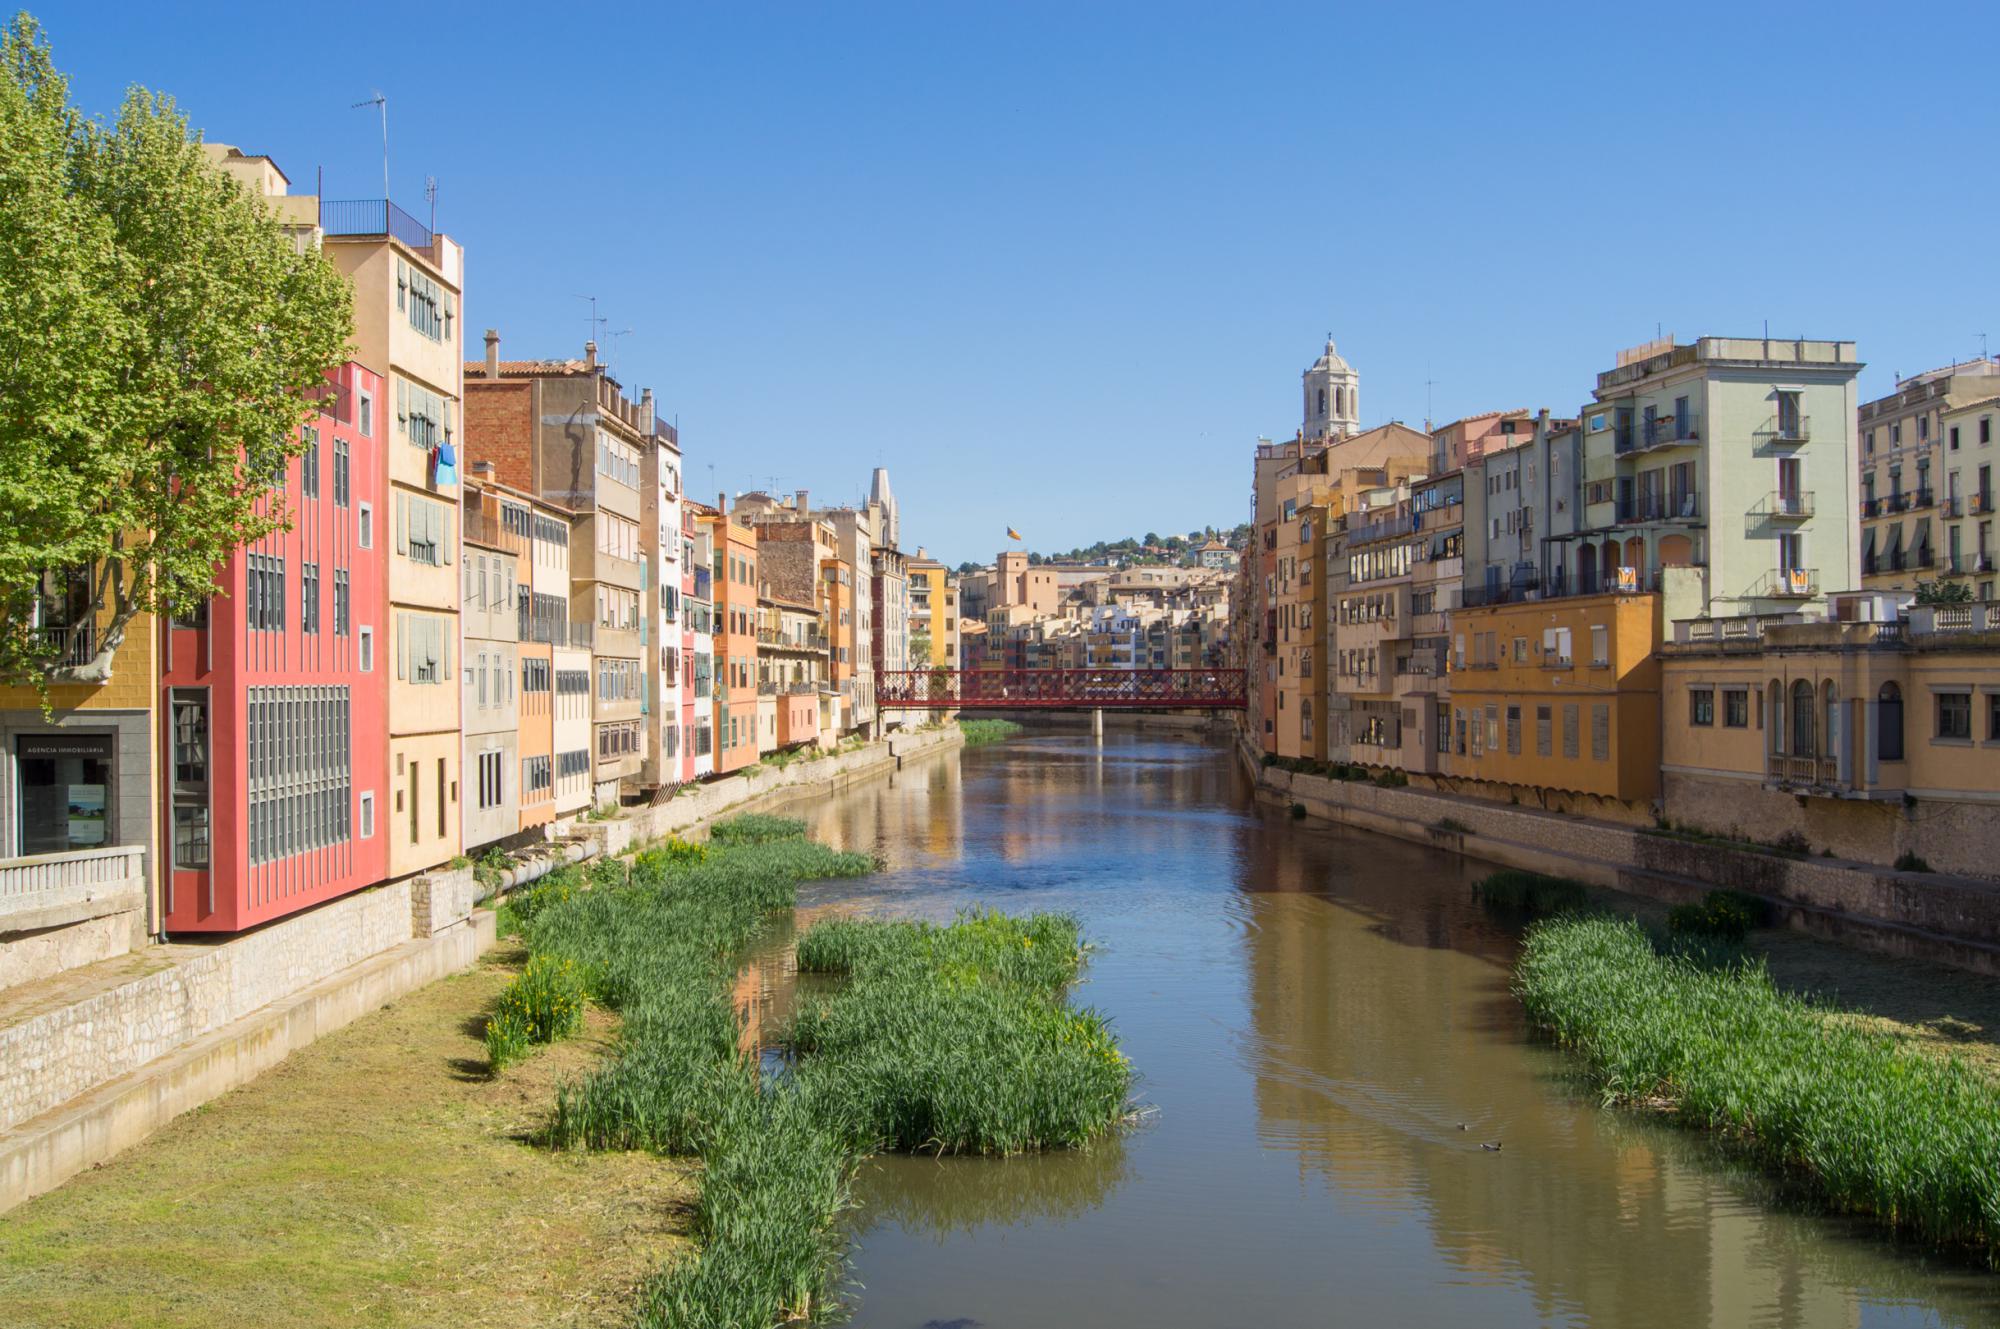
x=69, y=645
x=1794, y=504
x=1952, y=506
x=1660, y=507
x=373, y=216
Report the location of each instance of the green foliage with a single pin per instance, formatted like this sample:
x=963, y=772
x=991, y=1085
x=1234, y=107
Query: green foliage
x=1910, y=861
x=161, y=344
x=926, y=1041
x=1517, y=894
x=956, y=1039
x=528, y=903
x=1943, y=593
x=543, y=1005
x=980, y=732
x=1870, y=1123
x=756, y=828
x=1724, y=915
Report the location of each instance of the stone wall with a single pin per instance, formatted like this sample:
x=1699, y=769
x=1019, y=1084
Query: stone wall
x=50, y=1058
x=1951, y=835
x=1954, y=919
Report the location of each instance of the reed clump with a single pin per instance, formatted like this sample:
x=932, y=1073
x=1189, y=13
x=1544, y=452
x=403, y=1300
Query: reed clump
x=980, y=732
x=660, y=943
x=957, y=1039
x=543, y=1004
x=1865, y=1121
x=1517, y=894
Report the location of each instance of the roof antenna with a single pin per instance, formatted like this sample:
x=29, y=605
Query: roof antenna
x=380, y=103
x=431, y=197
x=595, y=321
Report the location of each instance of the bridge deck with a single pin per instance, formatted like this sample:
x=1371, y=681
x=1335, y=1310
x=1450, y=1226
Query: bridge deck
x=1060, y=689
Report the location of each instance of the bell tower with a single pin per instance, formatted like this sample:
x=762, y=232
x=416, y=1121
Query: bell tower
x=1332, y=397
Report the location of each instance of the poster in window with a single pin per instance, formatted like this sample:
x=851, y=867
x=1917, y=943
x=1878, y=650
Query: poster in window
x=86, y=815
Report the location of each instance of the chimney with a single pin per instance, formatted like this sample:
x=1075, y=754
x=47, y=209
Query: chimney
x=805, y=505
x=646, y=411
x=590, y=355
x=492, y=352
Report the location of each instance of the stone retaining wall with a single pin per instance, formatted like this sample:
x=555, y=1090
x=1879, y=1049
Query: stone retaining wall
x=1953, y=919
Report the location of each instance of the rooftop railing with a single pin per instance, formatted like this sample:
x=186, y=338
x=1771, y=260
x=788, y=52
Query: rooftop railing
x=373, y=216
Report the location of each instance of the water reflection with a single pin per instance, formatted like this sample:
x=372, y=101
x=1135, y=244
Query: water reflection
x=1323, y=1024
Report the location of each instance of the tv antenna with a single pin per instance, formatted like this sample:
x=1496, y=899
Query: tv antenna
x=595, y=321
x=431, y=197
x=380, y=103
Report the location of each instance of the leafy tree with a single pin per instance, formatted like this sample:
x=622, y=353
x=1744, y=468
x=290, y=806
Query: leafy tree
x=1943, y=593
x=161, y=339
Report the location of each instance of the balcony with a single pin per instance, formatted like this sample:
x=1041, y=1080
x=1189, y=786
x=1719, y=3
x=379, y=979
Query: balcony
x=1474, y=597
x=1785, y=505
x=1952, y=506
x=581, y=635
x=1980, y=504
x=69, y=646
x=1919, y=498
x=373, y=216
x=1674, y=431
x=1796, y=772
x=1659, y=507
x=1788, y=584
x=1872, y=508
x=1786, y=428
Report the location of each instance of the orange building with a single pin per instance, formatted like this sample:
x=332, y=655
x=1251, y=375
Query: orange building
x=735, y=600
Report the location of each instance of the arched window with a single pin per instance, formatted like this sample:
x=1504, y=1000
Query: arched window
x=1830, y=736
x=1802, y=719
x=1322, y=401
x=1889, y=723
x=1339, y=402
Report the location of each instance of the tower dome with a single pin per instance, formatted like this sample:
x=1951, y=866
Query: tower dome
x=1332, y=397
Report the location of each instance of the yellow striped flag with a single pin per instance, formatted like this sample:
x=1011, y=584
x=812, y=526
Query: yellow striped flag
x=1013, y=534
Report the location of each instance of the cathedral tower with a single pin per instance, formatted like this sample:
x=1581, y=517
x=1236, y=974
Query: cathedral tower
x=1332, y=397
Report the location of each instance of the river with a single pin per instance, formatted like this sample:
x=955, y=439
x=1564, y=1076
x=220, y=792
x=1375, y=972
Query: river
x=1326, y=1042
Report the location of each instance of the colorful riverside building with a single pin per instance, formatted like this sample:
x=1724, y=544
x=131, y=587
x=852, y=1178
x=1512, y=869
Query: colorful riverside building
x=733, y=562
x=661, y=711
x=697, y=642
x=275, y=698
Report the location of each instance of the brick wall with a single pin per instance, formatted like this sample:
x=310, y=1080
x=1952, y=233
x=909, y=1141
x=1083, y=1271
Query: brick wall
x=500, y=428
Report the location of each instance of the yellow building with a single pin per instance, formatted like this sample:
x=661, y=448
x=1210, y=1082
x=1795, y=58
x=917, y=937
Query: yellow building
x=1562, y=695
x=933, y=614
x=1869, y=734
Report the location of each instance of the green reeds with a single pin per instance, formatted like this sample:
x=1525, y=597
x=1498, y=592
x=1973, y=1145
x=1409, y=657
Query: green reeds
x=660, y=944
x=1519, y=894
x=1866, y=1122
x=543, y=1004
x=980, y=732
x=956, y=1039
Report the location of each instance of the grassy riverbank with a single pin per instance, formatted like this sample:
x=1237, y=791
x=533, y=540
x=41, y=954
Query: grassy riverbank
x=1867, y=1122
x=379, y=1176
x=778, y=1155
x=980, y=732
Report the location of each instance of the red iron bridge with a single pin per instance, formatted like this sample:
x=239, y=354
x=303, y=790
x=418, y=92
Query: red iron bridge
x=1060, y=689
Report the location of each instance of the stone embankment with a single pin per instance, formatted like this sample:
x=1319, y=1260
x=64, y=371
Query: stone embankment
x=1924, y=915
x=93, y=1061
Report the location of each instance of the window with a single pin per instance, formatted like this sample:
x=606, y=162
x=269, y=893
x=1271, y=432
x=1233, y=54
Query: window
x=617, y=537
x=1735, y=708
x=1954, y=438
x=422, y=416
x=367, y=416
x=1985, y=429
x=309, y=464
x=1701, y=706
x=309, y=597
x=190, y=784
x=1570, y=729
x=366, y=655
x=423, y=530
x=264, y=593
x=1954, y=715
x=617, y=680
x=491, y=792
x=537, y=779
x=1600, y=644
x=340, y=605
x=535, y=675
x=617, y=460
x=1993, y=717
x=423, y=648
x=298, y=760
x=1492, y=728
x=618, y=739
x=1513, y=731
x=429, y=307
x=570, y=764
x=1600, y=732
x=1543, y=725
x=368, y=815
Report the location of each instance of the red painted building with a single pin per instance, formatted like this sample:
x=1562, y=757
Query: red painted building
x=275, y=699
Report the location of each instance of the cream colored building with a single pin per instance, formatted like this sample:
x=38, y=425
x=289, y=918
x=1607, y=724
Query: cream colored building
x=1917, y=476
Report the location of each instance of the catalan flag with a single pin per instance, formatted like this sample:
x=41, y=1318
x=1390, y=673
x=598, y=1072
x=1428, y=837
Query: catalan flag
x=1013, y=534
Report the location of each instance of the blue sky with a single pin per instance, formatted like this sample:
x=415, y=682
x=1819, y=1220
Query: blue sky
x=1058, y=266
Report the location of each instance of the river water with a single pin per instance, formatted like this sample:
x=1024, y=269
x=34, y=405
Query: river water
x=1326, y=1041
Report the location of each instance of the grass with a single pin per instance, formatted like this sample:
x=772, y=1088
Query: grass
x=1867, y=1122
x=376, y=1177
x=979, y=732
x=956, y=1039
x=1517, y=894
x=934, y=1040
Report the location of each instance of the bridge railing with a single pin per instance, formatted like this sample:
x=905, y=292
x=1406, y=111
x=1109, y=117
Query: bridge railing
x=1060, y=689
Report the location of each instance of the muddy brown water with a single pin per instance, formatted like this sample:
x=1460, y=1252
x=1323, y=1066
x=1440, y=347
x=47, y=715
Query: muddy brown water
x=1326, y=1040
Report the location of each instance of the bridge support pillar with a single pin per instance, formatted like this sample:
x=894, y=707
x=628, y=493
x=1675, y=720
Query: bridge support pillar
x=1097, y=722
